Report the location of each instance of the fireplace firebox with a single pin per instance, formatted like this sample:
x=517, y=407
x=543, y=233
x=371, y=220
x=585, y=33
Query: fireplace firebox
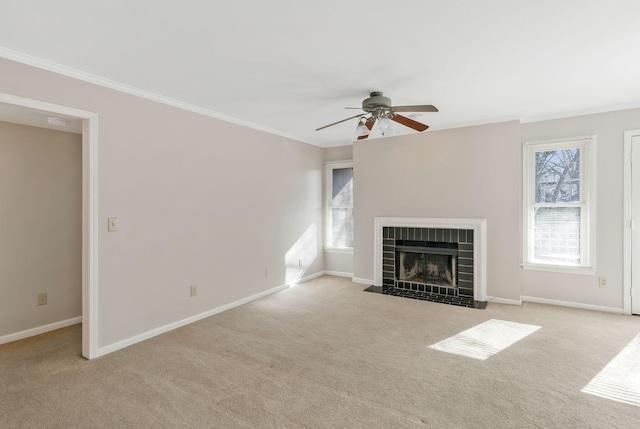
x=428, y=263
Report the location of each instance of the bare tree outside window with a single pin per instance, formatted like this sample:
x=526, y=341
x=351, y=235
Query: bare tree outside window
x=557, y=219
x=558, y=176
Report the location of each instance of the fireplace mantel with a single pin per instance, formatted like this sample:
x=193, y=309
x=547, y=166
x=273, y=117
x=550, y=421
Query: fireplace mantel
x=479, y=226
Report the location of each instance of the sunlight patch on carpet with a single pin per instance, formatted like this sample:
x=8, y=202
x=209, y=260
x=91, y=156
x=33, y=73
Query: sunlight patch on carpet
x=486, y=339
x=620, y=379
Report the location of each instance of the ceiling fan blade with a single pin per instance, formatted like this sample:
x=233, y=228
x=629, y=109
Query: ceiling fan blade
x=370, y=122
x=418, y=126
x=421, y=108
x=354, y=108
x=344, y=120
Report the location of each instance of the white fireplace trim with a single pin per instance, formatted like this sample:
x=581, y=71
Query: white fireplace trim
x=479, y=227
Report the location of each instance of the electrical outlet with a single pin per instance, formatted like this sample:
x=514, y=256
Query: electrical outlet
x=42, y=298
x=193, y=290
x=266, y=272
x=603, y=282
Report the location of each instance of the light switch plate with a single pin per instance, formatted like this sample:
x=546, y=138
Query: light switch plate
x=42, y=298
x=113, y=224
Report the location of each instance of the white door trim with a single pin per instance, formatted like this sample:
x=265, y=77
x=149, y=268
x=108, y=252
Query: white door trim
x=89, y=213
x=627, y=221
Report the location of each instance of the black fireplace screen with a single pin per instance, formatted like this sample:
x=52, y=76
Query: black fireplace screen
x=428, y=268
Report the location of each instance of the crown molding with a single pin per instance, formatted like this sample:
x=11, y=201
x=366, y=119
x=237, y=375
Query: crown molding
x=128, y=89
x=574, y=113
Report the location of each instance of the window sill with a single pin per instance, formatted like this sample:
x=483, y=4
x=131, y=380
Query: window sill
x=585, y=271
x=344, y=250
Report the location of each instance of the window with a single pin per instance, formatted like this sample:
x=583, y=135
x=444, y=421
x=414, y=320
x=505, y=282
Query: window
x=339, y=206
x=559, y=205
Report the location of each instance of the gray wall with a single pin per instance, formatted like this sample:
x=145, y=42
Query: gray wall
x=477, y=172
x=40, y=226
x=609, y=129
x=338, y=153
x=202, y=201
x=471, y=172
x=199, y=201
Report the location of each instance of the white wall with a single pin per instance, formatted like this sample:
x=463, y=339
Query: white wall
x=336, y=262
x=337, y=153
x=199, y=201
x=40, y=226
x=609, y=130
x=471, y=172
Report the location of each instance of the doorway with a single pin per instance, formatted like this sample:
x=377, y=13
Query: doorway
x=632, y=222
x=89, y=211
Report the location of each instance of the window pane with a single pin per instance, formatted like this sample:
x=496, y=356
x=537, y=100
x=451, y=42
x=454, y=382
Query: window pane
x=558, y=176
x=342, y=192
x=342, y=221
x=557, y=235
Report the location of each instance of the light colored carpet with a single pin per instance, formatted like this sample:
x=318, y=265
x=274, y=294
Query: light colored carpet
x=486, y=339
x=620, y=379
x=324, y=355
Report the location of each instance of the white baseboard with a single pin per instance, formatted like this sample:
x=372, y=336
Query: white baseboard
x=334, y=273
x=572, y=305
x=310, y=277
x=40, y=330
x=498, y=300
x=180, y=323
x=338, y=274
x=361, y=281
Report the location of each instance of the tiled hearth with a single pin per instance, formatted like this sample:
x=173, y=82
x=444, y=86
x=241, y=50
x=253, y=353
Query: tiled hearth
x=460, y=301
x=464, y=238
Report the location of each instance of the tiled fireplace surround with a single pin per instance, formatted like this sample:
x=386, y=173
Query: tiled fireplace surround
x=467, y=234
x=462, y=237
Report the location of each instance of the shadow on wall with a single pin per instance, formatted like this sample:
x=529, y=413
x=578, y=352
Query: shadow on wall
x=301, y=255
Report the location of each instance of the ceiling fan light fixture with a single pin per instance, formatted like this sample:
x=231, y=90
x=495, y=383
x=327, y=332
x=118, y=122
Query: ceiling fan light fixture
x=385, y=127
x=361, y=129
x=388, y=132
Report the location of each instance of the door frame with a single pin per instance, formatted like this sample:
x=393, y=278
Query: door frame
x=628, y=135
x=89, y=212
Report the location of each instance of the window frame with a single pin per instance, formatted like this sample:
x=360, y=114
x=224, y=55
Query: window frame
x=329, y=166
x=587, y=204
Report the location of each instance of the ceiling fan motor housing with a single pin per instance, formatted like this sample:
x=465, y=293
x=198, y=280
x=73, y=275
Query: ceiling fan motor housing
x=376, y=101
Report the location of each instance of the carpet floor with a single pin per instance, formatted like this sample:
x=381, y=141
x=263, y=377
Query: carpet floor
x=325, y=354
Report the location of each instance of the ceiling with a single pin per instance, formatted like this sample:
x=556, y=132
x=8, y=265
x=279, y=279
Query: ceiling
x=291, y=66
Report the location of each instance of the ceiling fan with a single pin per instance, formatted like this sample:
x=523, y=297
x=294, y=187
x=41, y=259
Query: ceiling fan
x=378, y=108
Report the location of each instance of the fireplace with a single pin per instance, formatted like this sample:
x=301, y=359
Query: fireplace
x=428, y=263
x=431, y=259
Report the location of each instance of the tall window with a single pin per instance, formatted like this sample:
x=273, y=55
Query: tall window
x=339, y=205
x=559, y=204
